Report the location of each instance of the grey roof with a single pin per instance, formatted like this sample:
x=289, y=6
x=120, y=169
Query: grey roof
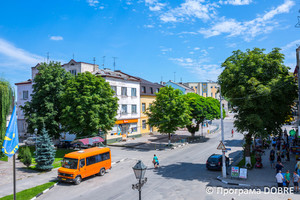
x=115, y=74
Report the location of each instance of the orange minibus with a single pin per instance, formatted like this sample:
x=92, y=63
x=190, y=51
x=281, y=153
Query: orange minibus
x=81, y=164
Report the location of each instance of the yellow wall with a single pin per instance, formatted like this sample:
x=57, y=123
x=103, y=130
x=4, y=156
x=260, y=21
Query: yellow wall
x=147, y=100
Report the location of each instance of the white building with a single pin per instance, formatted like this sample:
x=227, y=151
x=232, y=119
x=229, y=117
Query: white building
x=126, y=88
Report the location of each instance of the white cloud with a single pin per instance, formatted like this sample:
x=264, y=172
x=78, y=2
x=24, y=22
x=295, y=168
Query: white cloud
x=149, y=26
x=237, y=2
x=154, y=5
x=93, y=3
x=248, y=29
x=291, y=45
x=15, y=55
x=196, y=48
x=56, y=38
x=190, y=9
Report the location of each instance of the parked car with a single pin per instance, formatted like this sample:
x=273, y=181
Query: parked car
x=30, y=141
x=215, y=162
x=87, y=143
x=64, y=144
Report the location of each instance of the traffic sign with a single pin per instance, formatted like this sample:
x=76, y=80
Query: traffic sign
x=221, y=146
x=228, y=149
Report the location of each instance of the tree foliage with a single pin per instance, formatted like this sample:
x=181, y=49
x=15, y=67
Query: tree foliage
x=6, y=96
x=45, y=152
x=169, y=111
x=45, y=107
x=261, y=89
x=89, y=105
x=201, y=108
x=26, y=157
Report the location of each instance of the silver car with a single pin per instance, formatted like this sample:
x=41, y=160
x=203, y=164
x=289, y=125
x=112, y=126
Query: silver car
x=30, y=141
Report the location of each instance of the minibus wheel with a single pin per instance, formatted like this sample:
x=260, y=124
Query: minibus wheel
x=77, y=180
x=102, y=172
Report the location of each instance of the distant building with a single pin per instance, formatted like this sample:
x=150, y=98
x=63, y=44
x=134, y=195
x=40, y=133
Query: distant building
x=185, y=89
x=207, y=89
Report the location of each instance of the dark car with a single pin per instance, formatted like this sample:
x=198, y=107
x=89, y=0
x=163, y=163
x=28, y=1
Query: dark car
x=214, y=162
x=64, y=144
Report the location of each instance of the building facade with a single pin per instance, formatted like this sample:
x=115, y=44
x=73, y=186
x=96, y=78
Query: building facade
x=126, y=88
x=184, y=88
x=148, y=92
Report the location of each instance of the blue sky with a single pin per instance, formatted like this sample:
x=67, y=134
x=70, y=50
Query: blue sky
x=150, y=38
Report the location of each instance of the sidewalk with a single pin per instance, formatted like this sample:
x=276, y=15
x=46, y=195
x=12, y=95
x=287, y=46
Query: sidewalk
x=158, y=141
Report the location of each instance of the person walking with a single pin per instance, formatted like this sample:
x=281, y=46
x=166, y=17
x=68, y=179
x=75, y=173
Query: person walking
x=155, y=161
x=296, y=181
x=287, y=153
x=278, y=166
x=278, y=156
x=232, y=133
x=272, y=158
x=287, y=178
x=279, y=179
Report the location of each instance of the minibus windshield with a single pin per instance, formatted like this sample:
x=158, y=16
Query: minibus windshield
x=69, y=163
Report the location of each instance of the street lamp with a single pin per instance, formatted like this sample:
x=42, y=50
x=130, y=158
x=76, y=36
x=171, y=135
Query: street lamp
x=35, y=131
x=139, y=171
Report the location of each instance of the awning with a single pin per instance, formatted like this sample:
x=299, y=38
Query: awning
x=89, y=141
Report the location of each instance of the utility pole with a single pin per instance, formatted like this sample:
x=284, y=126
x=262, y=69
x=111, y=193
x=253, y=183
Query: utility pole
x=298, y=65
x=222, y=134
x=114, y=63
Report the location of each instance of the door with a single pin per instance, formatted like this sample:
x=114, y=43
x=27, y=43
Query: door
x=82, y=168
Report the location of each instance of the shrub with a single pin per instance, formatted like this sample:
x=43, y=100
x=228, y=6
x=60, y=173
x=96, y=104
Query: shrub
x=21, y=152
x=27, y=158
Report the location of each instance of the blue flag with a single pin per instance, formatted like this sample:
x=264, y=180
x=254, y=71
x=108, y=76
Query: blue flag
x=11, y=140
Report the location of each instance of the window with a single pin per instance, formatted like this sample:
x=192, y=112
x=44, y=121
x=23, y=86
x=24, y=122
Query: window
x=211, y=94
x=150, y=104
x=73, y=71
x=151, y=90
x=106, y=156
x=124, y=91
x=82, y=163
x=157, y=90
x=144, y=125
x=143, y=89
x=114, y=88
x=25, y=94
x=90, y=160
x=143, y=107
x=97, y=158
x=124, y=109
x=133, y=109
x=133, y=92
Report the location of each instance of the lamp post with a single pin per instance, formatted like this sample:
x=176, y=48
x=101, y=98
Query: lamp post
x=35, y=131
x=139, y=171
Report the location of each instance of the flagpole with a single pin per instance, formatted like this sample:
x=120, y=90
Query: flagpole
x=14, y=168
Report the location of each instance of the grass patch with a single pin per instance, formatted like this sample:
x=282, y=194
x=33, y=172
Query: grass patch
x=4, y=158
x=59, y=155
x=29, y=193
x=242, y=162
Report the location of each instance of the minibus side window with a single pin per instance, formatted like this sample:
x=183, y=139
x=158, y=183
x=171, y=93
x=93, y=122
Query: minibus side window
x=90, y=160
x=106, y=156
x=82, y=163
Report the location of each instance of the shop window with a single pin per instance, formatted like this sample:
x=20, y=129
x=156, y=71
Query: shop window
x=144, y=125
x=124, y=91
x=124, y=109
x=133, y=129
x=133, y=92
x=143, y=107
x=25, y=94
x=133, y=109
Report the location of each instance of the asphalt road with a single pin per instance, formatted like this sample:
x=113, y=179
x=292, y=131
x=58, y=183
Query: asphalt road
x=182, y=173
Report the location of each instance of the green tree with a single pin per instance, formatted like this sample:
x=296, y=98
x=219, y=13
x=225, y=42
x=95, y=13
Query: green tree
x=45, y=107
x=45, y=152
x=213, y=109
x=89, y=105
x=198, y=108
x=6, y=96
x=261, y=89
x=26, y=157
x=169, y=111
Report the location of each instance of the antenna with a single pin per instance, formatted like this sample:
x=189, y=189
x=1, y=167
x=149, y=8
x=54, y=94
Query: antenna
x=47, y=57
x=115, y=62
x=103, y=57
x=174, y=76
x=94, y=59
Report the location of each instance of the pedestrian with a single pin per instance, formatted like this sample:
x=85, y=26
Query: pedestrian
x=155, y=161
x=272, y=158
x=287, y=153
x=274, y=142
x=278, y=144
x=278, y=166
x=279, y=179
x=283, y=153
x=296, y=181
x=278, y=156
x=232, y=133
x=287, y=178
